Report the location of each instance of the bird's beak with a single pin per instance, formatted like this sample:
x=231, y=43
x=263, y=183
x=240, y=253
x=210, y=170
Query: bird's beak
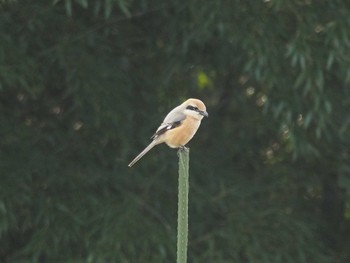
x=204, y=113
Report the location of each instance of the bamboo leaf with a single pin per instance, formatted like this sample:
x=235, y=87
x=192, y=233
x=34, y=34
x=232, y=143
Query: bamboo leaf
x=108, y=8
x=68, y=5
x=123, y=7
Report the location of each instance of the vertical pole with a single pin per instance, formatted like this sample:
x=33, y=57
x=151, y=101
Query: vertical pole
x=182, y=212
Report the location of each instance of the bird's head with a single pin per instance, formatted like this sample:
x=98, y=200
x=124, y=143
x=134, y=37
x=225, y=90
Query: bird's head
x=195, y=108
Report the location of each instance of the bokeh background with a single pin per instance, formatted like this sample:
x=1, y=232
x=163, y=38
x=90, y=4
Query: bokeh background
x=85, y=83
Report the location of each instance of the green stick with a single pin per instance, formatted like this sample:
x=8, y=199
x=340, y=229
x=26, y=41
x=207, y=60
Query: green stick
x=182, y=212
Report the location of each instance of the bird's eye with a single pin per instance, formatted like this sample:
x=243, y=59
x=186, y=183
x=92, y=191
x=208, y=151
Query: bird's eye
x=189, y=107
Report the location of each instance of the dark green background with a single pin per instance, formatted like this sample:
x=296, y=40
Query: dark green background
x=85, y=83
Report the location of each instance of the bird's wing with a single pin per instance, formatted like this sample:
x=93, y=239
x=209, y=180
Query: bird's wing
x=171, y=121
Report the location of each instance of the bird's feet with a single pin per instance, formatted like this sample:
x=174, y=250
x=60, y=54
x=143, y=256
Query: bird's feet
x=183, y=148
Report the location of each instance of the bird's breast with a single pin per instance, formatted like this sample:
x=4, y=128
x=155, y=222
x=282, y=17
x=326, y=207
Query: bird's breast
x=181, y=135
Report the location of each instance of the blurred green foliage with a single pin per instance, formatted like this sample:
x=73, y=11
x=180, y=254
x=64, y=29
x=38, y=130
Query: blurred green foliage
x=84, y=84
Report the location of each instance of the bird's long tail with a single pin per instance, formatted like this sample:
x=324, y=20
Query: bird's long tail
x=138, y=157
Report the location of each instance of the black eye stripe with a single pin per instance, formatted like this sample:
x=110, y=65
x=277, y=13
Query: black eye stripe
x=189, y=107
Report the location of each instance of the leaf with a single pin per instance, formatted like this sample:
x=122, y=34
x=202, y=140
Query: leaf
x=278, y=109
x=318, y=132
x=307, y=120
x=330, y=61
x=83, y=3
x=302, y=62
x=97, y=8
x=68, y=5
x=320, y=80
x=307, y=87
x=122, y=5
x=294, y=61
x=328, y=106
x=300, y=79
x=108, y=8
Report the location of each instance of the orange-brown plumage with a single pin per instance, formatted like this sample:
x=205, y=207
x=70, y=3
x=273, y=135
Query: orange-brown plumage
x=178, y=127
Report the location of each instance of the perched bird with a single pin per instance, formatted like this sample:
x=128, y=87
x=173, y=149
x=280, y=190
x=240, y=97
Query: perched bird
x=178, y=127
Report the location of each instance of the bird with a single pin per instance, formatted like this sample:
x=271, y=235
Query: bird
x=178, y=127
